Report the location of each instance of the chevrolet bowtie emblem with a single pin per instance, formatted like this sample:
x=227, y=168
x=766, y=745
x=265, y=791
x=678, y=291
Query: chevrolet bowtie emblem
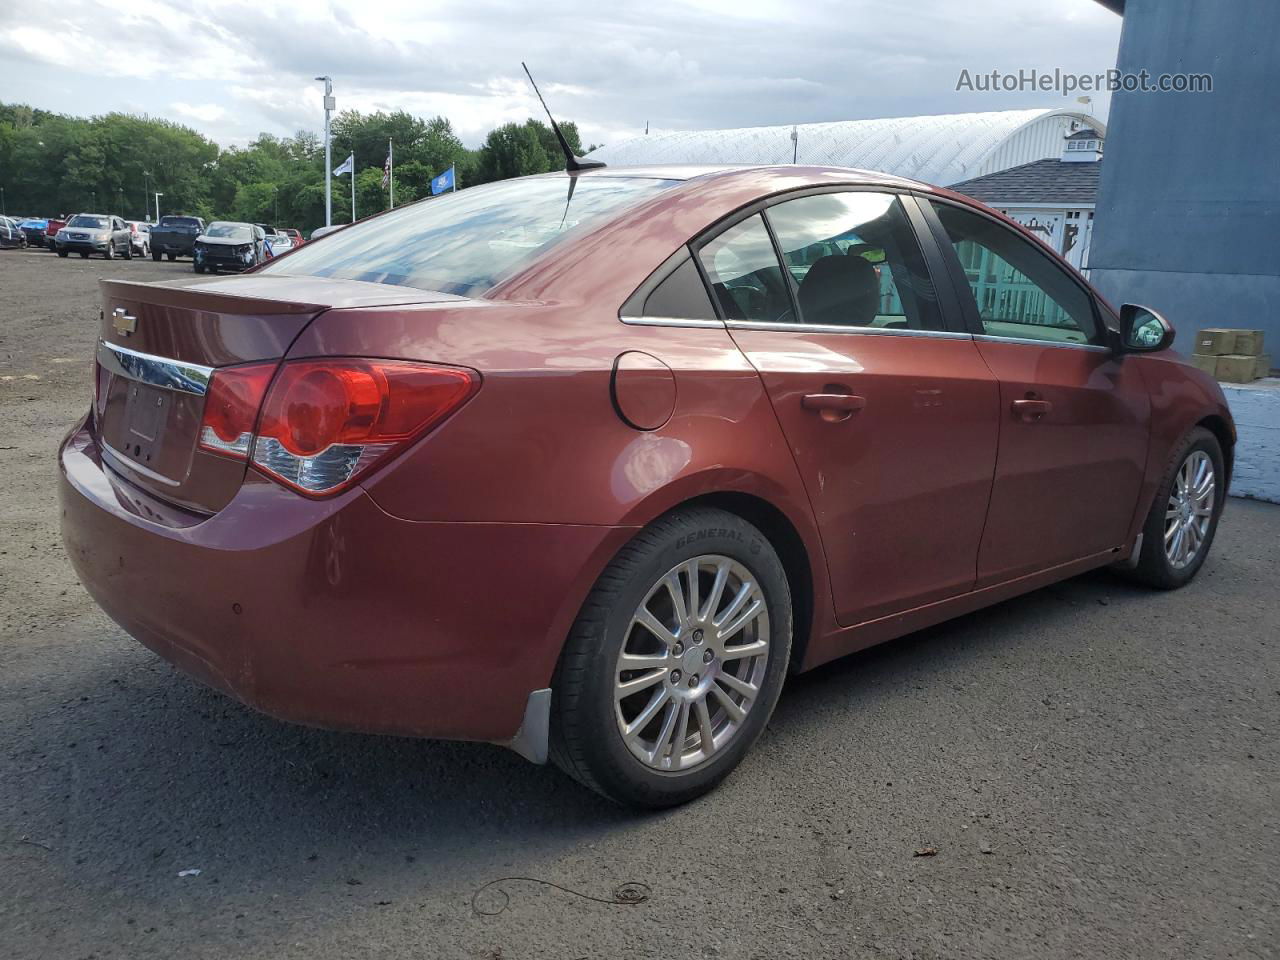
x=123, y=321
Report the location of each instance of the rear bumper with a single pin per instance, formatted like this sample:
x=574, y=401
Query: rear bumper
x=334, y=613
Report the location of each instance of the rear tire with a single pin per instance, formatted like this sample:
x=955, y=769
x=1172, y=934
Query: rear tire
x=155, y=255
x=128, y=251
x=1194, y=482
x=173, y=257
x=198, y=268
x=689, y=679
x=62, y=253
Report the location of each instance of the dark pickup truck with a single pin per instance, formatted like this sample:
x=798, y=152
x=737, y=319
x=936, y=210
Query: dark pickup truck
x=175, y=236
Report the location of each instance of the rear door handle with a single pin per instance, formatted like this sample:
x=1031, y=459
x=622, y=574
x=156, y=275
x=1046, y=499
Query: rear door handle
x=833, y=406
x=1031, y=411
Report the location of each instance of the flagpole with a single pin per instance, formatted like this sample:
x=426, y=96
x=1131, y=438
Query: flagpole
x=454, y=179
x=352, y=158
x=391, y=177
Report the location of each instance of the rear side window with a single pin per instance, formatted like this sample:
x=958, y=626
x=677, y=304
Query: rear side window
x=681, y=296
x=746, y=278
x=467, y=242
x=855, y=262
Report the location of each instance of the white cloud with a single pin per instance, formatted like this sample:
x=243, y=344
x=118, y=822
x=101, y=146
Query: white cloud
x=235, y=68
x=204, y=112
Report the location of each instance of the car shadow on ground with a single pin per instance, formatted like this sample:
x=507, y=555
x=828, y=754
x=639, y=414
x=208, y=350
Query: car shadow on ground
x=139, y=768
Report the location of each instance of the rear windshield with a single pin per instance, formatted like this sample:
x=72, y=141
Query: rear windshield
x=84, y=220
x=178, y=222
x=467, y=242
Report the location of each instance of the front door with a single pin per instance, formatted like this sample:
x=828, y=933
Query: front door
x=1073, y=415
x=891, y=418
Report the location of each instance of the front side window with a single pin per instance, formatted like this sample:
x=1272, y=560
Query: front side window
x=746, y=278
x=467, y=242
x=855, y=262
x=1020, y=293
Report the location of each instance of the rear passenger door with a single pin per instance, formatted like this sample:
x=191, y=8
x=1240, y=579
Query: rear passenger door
x=890, y=415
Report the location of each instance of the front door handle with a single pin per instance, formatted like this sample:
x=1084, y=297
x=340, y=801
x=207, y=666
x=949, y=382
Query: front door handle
x=1031, y=411
x=833, y=406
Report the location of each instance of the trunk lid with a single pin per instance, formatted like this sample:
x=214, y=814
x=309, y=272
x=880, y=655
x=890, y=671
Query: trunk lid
x=160, y=344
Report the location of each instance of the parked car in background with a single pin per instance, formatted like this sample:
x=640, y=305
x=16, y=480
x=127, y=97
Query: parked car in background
x=87, y=233
x=140, y=235
x=297, y=485
x=227, y=245
x=175, y=236
x=295, y=234
x=40, y=231
x=319, y=232
x=278, y=243
x=11, y=234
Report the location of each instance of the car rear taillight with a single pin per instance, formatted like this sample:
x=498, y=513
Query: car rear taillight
x=231, y=408
x=325, y=423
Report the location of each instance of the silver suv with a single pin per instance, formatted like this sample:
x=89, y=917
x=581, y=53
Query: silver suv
x=87, y=233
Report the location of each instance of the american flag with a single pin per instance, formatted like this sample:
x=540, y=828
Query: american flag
x=386, y=169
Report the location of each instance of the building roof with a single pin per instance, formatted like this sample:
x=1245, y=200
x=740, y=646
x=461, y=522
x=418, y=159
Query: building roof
x=1042, y=181
x=1085, y=133
x=935, y=149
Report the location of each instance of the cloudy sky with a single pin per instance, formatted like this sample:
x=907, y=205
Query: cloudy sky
x=231, y=69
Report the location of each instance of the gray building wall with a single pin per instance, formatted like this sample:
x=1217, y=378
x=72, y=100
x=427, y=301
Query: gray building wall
x=1188, y=214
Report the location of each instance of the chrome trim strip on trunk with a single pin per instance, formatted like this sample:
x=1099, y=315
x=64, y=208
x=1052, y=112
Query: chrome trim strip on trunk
x=156, y=371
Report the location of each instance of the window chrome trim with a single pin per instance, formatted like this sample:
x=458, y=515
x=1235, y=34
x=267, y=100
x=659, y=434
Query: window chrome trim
x=836, y=328
x=155, y=371
x=671, y=322
x=1032, y=342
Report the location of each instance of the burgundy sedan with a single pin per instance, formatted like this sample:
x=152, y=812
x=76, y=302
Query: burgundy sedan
x=586, y=464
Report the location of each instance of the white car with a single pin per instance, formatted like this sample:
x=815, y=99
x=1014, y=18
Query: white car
x=278, y=243
x=140, y=236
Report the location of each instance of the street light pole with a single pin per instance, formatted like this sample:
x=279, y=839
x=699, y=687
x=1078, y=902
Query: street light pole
x=329, y=105
x=146, y=195
x=158, y=196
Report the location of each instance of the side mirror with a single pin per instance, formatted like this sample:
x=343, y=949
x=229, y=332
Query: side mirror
x=1143, y=330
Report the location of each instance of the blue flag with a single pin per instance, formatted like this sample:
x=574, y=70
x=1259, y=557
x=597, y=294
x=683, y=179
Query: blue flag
x=443, y=182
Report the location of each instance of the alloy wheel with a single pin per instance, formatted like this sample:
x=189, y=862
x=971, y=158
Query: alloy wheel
x=692, y=663
x=1189, y=513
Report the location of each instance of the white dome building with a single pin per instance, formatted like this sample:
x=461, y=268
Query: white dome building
x=941, y=149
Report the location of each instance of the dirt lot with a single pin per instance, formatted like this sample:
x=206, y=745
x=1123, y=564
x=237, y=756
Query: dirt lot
x=1095, y=765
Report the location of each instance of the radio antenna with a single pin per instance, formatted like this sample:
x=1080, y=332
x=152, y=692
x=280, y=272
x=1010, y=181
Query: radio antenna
x=571, y=162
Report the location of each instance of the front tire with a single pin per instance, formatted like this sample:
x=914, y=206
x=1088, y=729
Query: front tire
x=676, y=661
x=197, y=267
x=155, y=255
x=173, y=257
x=62, y=253
x=1180, y=528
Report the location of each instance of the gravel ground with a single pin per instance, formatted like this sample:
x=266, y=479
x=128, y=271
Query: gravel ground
x=1095, y=766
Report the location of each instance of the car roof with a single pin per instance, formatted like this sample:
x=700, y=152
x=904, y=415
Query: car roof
x=753, y=172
